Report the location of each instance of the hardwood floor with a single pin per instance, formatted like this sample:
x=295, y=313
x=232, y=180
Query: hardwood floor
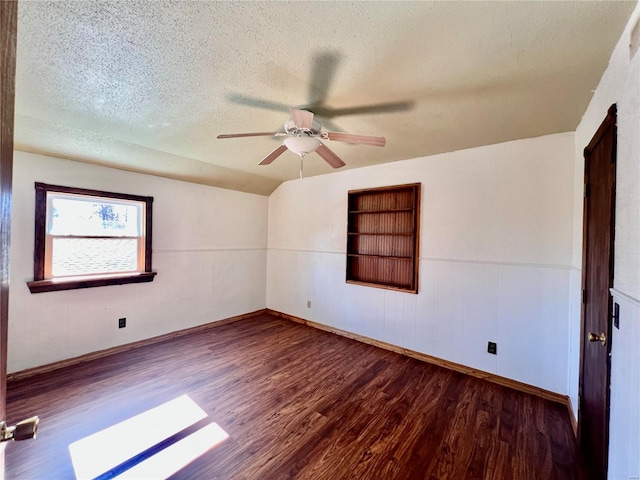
x=300, y=403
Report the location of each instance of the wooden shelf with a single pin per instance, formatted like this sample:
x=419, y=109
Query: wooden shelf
x=382, y=237
x=390, y=257
x=382, y=234
x=386, y=210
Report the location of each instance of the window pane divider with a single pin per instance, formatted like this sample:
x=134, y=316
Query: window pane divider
x=97, y=237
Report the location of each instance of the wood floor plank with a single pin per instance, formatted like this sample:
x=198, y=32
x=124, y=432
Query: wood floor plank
x=453, y=454
x=299, y=403
x=487, y=445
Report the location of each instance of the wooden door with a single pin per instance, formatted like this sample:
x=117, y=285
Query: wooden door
x=597, y=278
x=8, y=28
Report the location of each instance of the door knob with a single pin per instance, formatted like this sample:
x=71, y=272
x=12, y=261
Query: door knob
x=594, y=337
x=23, y=430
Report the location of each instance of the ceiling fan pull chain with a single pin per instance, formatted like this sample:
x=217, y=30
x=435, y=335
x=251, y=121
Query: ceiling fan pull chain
x=301, y=173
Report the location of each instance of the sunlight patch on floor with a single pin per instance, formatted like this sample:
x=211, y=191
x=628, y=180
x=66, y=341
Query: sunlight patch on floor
x=170, y=460
x=97, y=454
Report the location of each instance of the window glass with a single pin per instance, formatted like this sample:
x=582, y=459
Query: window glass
x=91, y=216
x=86, y=256
x=91, y=235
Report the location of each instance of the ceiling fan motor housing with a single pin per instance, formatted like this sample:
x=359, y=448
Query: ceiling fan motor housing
x=292, y=129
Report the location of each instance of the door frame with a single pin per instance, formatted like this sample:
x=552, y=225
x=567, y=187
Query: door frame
x=8, y=38
x=610, y=120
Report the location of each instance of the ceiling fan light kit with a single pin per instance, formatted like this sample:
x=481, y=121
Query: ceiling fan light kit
x=304, y=135
x=302, y=145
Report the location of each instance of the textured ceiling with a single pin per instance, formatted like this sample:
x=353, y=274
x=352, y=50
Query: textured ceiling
x=147, y=85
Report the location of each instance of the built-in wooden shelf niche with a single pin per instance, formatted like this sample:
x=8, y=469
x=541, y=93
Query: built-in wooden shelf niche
x=383, y=237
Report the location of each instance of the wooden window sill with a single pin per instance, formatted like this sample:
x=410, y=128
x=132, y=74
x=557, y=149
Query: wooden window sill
x=73, y=283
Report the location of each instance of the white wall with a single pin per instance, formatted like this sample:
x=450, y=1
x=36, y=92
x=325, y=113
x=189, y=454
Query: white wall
x=620, y=84
x=495, y=257
x=624, y=434
x=209, y=249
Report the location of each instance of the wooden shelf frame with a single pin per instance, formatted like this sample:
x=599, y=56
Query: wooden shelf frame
x=383, y=237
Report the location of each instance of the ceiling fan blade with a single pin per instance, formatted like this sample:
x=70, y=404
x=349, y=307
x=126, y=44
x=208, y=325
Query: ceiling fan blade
x=330, y=124
x=273, y=155
x=359, y=139
x=255, y=134
x=330, y=157
x=390, y=107
x=323, y=72
x=302, y=118
x=256, y=102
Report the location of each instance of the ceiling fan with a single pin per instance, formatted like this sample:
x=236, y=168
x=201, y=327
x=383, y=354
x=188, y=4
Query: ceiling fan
x=304, y=135
x=323, y=70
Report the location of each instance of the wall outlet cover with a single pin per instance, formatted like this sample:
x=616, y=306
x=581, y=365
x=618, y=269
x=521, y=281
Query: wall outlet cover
x=492, y=347
x=122, y=322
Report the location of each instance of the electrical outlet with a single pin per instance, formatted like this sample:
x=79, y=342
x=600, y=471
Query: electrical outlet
x=492, y=347
x=308, y=303
x=616, y=315
x=122, y=322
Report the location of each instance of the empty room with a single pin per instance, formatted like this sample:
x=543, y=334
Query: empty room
x=320, y=240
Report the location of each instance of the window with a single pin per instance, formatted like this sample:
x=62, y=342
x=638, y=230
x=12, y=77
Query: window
x=382, y=237
x=88, y=238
